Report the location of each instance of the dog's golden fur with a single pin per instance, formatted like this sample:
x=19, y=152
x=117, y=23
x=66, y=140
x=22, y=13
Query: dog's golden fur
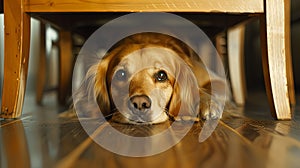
x=151, y=77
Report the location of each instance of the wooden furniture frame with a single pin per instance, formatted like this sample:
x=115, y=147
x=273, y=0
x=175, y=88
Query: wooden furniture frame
x=275, y=37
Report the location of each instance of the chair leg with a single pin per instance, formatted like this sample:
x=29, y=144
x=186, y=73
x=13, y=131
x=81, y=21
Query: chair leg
x=275, y=38
x=235, y=45
x=66, y=62
x=16, y=57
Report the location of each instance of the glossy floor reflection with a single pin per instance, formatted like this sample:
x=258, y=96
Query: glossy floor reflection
x=46, y=138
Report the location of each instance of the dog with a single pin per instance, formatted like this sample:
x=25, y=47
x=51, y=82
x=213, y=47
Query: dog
x=149, y=78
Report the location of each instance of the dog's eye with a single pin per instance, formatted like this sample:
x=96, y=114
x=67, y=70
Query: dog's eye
x=161, y=76
x=121, y=75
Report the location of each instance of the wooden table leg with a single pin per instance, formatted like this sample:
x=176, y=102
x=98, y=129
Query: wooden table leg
x=275, y=38
x=16, y=56
x=235, y=38
x=65, y=65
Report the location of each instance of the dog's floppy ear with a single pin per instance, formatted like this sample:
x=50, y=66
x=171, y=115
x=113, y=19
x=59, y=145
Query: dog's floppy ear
x=185, y=98
x=101, y=91
x=92, y=93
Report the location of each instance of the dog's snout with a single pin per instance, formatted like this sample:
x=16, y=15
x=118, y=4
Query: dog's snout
x=140, y=102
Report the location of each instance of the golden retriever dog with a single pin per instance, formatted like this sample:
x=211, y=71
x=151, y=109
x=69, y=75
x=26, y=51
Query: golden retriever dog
x=148, y=78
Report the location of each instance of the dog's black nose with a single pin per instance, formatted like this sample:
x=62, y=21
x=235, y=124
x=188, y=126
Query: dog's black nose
x=140, y=102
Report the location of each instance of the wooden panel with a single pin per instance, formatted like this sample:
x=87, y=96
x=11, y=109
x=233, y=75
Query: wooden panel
x=16, y=55
x=235, y=6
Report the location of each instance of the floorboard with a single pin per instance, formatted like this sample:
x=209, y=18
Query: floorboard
x=47, y=138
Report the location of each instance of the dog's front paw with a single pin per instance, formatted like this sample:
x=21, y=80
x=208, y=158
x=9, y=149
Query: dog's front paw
x=210, y=108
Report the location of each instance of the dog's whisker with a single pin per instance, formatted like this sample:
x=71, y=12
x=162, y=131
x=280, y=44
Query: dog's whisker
x=171, y=117
x=113, y=112
x=181, y=118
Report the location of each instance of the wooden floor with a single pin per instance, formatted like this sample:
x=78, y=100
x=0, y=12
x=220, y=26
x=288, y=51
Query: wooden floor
x=247, y=137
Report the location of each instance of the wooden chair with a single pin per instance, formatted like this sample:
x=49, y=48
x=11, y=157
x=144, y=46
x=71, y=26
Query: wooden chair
x=275, y=37
x=64, y=46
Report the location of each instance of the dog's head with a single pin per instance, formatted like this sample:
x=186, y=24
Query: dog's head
x=146, y=78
